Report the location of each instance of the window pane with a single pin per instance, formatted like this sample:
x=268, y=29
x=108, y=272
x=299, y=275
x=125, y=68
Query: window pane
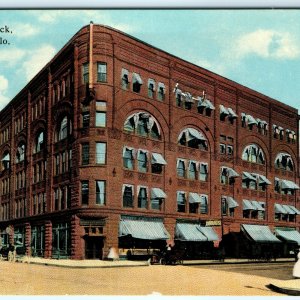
x=85, y=154
x=101, y=75
x=100, y=192
x=142, y=198
x=100, y=119
x=85, y=192
x=100, y=153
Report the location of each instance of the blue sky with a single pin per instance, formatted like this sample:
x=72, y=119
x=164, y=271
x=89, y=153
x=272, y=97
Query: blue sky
x=256, y=48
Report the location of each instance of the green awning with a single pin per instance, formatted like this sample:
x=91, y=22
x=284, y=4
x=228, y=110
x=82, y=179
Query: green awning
x=259, y=233
x=289, y=235
x=189, y=232
x=143, y=229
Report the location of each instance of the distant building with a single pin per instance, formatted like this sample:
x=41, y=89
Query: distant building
x=117, y=144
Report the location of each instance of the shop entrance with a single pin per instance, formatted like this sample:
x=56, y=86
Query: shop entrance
x=94, y=247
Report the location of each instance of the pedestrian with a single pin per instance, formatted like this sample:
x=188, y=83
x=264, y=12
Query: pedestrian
x=11, y=252
x=296, y=269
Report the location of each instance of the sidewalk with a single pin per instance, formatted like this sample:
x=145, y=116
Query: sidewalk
x=71, y=263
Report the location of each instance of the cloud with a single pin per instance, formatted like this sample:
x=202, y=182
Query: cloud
x=85, y=16
x=3, y=89
x=37, y=59
x=23, y=30
x=267, y=44
x=11, y=56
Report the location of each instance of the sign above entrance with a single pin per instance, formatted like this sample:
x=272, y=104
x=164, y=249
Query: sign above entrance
x=213, y=223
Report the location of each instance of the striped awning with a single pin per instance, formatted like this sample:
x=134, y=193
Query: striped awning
x=158, y=193
x=157, y=158
x=231, y=202
x=195, y=198
x=210, y=233
x=247, y=175
x=279, y=209
x=290, y=235
x=143, y=229
x=259, y=233
x=247, y=205
x=189, y=232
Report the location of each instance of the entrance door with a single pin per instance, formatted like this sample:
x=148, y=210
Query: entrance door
x=93, y=247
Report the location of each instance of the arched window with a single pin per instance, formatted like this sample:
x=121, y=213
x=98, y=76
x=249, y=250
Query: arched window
x=20, y=155
x=254, y=154
x=39, y=142
x=192, y=138
x=143, y=124
x=6, y=160
x=284, y=161
x=64, y=129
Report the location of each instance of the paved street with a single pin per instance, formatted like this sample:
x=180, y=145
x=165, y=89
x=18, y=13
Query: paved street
x=31, y=279
x=282, y=271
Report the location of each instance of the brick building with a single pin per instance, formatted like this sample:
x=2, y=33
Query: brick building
x=115, y=143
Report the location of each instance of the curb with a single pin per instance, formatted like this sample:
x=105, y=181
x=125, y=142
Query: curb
x=287, y=291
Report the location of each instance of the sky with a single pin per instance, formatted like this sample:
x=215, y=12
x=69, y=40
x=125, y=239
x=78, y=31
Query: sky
x=256, y=48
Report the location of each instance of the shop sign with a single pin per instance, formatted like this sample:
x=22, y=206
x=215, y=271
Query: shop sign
x=213, y=223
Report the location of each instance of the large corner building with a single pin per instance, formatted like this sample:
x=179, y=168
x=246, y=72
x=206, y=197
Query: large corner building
x=117, y=144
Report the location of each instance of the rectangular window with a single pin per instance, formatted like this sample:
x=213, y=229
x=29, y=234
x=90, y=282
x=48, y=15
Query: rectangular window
x=181, y=202
x=128, y=196
x=161, y=91
x=204, y=204
x=101, y=72
x=63, y=162
x=224, y=206
x=222, y=149
x=100, y=153
x=142, y=161
x=100, y=114
x=85, y=192
x=156, y=203
x=181, y=168
x=100, y=192
x=128, y=160
x=142, y=198
x=86, y=119
x=192, y=170
x=56, y=166
x=229, y=150
x=203, y=175
x=100, y=119
x=85, y=154
x=85, y=73
x=125, y=79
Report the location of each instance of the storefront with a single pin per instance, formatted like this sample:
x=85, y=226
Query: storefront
x=197, y=241
x=290, y=238
x=61, y=240
x=140, y=236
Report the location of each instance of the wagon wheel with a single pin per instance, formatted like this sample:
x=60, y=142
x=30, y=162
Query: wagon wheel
x=162, y=261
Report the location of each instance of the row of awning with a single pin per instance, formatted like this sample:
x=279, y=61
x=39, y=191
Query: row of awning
x=253, y=205
x=286, y=209
x=286, y=184
x=228, y=111
x=154, y=229
x=188, y=97
x=250, y=120
x=260, y=179
x=263, y=234
x=193, y=197
x=156, y=158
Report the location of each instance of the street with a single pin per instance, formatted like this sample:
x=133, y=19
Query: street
x=282, y=271
x=31, y=279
